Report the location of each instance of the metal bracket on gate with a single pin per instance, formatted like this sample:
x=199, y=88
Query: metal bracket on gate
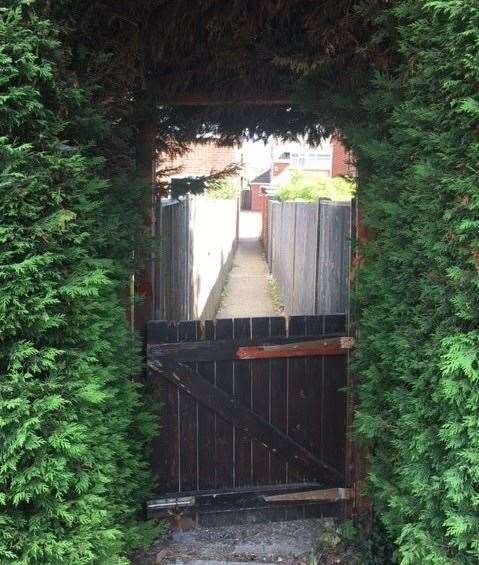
x=166, y=503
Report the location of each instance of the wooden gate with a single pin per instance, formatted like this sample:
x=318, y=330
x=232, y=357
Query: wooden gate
x=253, y=412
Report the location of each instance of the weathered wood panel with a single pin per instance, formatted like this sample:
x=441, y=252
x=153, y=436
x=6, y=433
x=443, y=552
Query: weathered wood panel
x=334, y=257
x=305, y=258
x=278, y=401
x=193, y=252
x=225, y=431
x=242, y=392
x=276, y=223
x=246, y=423
x=309, y=254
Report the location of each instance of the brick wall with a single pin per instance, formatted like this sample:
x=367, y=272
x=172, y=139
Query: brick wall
x=342, y=165
x=203, y=159
x=256, y=197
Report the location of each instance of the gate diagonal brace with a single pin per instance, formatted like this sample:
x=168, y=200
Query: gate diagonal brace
x=250, y=423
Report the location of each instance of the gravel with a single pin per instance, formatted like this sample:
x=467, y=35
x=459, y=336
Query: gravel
x=277, y=542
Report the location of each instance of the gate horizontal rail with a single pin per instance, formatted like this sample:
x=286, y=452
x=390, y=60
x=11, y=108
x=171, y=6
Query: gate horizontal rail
x=267, y=348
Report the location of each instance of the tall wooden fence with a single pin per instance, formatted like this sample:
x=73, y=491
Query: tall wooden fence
x=308, y=246
x=193, y=253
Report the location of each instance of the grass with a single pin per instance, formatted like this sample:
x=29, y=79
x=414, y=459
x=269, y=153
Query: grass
x=275, y=294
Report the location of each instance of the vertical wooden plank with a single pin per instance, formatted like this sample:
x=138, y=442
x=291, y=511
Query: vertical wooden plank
x=260, y=402
x=288, y=230
x=164, y=263
x=206, y=422
x=156, y=258
x=276, y=209
x=345, y=264
x=335, y=324
x=242, y=375
x=305, y=257
x=322, y=280
x=278, y=403
x=334, y=257
x=172, y=299
x=181, y=252
x=188, y=416
x=297, y=400
x=160, y=445
x=192, y=298
x=334, y=412
x=270, y=233
x=313, y=401
x=171, y=429
x=224, y=449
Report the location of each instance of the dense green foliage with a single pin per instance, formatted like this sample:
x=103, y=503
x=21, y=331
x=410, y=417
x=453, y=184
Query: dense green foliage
x=71, y=469
x=72, y=472
x=215, y=186
x=303, y=187
x=415, y=132
x=222, y=189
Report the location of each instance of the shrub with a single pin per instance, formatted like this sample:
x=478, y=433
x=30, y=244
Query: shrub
x=72, y=427
x=413, y=128
x=222, y=189
x=300, y=187
x=418, y=356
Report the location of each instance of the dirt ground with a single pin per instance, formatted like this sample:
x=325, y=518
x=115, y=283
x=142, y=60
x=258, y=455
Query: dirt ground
x=291, y=543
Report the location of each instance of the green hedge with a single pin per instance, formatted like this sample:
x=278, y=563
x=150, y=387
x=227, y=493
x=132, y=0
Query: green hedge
x=414, y=129
x=415, y=132
x=72, y=428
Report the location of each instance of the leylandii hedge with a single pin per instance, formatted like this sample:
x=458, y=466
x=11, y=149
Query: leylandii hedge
x=416, y=133
x=71, y=425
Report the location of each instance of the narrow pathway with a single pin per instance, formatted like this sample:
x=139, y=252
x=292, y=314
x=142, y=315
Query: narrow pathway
x=247, y=293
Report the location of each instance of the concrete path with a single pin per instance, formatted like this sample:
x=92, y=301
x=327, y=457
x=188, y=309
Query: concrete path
x=247, y=291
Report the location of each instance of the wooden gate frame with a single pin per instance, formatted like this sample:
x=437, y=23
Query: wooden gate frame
x=168, y=360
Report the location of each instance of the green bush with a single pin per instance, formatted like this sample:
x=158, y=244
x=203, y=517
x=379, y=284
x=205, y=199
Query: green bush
x=222, y=189
x=72, y=428
x=414, y=130
x=419, y=348
x=300, y=187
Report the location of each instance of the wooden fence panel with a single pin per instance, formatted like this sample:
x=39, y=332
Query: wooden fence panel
x=285, y=402
x=309, y=255
x=276, y=217
x=195, y=245
x=305, y=260
x=269, y=229
x=334, y=256
x=288, y=229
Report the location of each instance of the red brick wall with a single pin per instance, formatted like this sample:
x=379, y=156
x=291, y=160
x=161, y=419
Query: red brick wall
x=342, y=165
x=256, y=197
x=202, y=159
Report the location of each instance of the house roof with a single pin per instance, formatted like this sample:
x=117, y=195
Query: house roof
x=263, y=178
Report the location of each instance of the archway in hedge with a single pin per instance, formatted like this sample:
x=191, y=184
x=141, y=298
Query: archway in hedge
x=397, y=80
